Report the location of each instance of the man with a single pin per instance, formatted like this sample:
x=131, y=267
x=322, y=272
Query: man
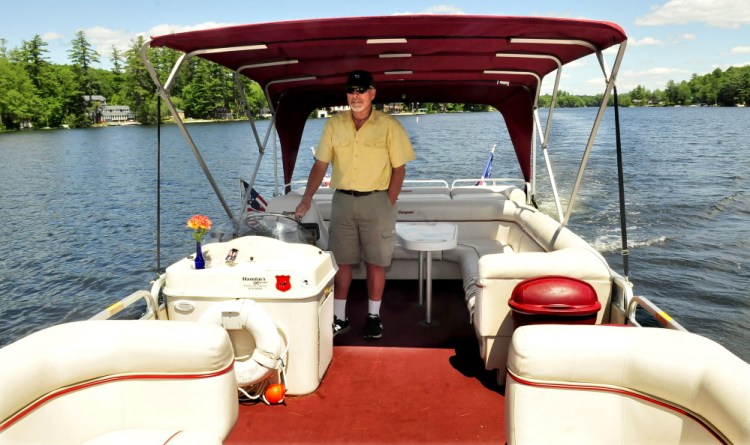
x=369, y=151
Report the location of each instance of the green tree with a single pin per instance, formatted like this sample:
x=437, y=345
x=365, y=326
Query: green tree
x=32, y=53
x=137, y=88
x=684, y=94
x=640, y=96
x=82, y=57
x=206, y=90
x=116, y=59
x=736, y=86
x=658, y=97
x=19, y=101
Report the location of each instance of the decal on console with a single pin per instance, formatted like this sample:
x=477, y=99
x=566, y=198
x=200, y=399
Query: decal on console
x=283, y=282
x=254, y=283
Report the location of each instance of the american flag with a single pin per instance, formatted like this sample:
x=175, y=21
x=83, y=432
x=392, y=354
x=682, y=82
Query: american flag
x=487, y=168
x=255, y=202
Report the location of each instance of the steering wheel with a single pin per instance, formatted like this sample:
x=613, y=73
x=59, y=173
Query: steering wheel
x=278, y=226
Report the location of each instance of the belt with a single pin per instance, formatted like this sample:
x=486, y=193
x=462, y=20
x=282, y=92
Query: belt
x=356, y=193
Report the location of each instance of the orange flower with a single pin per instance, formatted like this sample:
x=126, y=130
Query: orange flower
x=201, y=224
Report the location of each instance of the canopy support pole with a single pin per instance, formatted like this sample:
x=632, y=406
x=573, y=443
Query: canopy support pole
x=158, y=186
x=610, y=82
x=164, y=93
x=621, y=189
x=261, y=145
x=544, y=137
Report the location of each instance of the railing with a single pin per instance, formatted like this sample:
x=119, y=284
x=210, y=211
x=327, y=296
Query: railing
x=416, y=183
x=126, y=302
x=662, y=317
x=488, y=182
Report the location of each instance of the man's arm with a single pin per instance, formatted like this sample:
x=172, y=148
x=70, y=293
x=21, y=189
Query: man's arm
x=397, y=180
x=317, y=172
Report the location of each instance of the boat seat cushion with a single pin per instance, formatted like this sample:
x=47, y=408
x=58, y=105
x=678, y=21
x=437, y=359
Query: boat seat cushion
x=155, y=436
x=575, y=384
x=99, y=378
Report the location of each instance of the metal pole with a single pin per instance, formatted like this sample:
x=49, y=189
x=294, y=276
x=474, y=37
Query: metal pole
x=621, y=186
x=158, y=185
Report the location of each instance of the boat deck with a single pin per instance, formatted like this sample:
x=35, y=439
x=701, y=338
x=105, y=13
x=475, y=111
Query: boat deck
x=417, y=384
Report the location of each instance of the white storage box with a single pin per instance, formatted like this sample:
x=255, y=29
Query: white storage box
x=292, y=282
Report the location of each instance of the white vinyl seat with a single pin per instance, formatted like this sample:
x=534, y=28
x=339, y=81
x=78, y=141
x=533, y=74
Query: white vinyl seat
x=119, y=382
x=585, y=384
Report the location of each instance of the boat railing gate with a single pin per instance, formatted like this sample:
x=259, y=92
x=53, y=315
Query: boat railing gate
x=459, y=183
x=136, y=296
x=662, y=317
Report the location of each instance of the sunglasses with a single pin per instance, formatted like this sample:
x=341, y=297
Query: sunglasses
x=356, y=90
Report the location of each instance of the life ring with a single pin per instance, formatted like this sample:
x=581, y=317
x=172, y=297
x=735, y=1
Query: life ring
x=266, y=357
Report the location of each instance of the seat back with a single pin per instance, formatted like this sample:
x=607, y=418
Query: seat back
x=75, y=382
x=576, y=384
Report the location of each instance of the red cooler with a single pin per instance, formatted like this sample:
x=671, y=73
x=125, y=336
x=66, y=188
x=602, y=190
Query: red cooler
x=553, y=299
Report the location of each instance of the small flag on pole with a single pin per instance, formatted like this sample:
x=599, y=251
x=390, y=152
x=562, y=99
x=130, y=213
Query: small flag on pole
x=255, y=202
x=487, y=168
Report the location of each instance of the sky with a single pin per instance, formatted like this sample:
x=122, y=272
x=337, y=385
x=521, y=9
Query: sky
x=667, y=39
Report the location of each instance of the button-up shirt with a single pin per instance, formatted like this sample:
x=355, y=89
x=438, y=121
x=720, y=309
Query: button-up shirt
x=363, y=159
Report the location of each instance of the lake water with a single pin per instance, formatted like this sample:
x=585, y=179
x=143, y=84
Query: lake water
x=79, y=205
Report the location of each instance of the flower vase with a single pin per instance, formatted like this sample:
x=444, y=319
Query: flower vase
x=200, y=263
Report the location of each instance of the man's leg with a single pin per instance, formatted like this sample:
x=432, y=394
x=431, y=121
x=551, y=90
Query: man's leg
x=375, y=287
x=375, y=282
x=341, y=283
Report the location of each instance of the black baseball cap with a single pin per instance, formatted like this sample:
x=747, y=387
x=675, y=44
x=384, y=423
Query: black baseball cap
x=360, y=78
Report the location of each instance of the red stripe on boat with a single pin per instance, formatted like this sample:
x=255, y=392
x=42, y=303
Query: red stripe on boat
x=104, y=380
x=626, y=393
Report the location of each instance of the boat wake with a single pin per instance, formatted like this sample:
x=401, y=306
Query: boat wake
x=612, y=243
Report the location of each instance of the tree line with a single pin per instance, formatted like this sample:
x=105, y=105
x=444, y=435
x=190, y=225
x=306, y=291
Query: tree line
x=37, y=93
x=727, y=88
x=43, y=94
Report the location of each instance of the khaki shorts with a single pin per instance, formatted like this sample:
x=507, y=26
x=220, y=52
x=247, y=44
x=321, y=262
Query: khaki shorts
x=362, y=228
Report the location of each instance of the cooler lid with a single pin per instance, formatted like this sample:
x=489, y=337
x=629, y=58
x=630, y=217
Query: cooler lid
x=554, y=295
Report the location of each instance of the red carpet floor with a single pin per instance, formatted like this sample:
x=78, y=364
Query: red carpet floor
x=418, y=384
x=382, y=395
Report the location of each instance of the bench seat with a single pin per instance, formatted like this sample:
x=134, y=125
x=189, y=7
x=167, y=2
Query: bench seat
x=609, y=384
x=135, y=381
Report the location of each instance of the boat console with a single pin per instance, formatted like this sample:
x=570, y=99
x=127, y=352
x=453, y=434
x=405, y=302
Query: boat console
x=290, y=283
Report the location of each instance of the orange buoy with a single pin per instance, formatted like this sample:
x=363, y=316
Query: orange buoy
x=275, y=393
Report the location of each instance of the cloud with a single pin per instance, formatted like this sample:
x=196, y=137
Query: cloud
x=444, y=9
x=437, y=9
x=740, y=50
x=103, y=39
x=50, y=36
x=646, y=41
x=165, y=28
x=651, y=78
x=730, y=14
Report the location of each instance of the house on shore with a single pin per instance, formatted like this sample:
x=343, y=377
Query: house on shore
x=116, y=113
x=107, y=113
